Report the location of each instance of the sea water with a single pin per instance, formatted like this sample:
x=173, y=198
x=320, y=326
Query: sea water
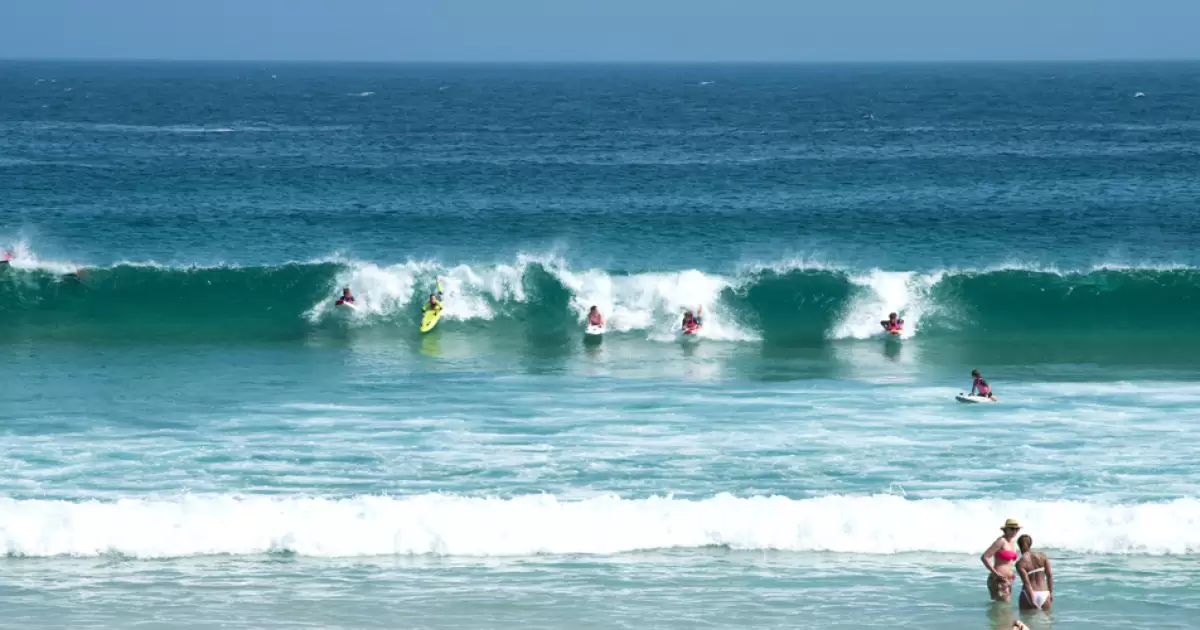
x=192, y=436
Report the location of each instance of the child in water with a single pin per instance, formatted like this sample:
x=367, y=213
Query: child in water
x=981, y=385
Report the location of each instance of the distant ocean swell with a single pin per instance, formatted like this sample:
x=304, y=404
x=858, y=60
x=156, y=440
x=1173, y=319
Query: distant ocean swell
x=449, y=525
x=781, y=303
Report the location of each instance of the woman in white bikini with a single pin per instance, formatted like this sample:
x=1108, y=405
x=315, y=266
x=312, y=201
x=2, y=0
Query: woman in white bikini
x=1037, y=580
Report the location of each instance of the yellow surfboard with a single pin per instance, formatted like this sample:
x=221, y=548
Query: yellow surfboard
x=431, y=317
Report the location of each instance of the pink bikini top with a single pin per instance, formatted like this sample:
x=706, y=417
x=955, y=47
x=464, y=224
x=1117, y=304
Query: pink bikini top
x=1006, y=555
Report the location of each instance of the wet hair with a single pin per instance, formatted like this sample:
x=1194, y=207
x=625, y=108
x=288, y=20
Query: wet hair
x=1025, y=542
x=593, y=307
x=974, y=372
x=891, y=315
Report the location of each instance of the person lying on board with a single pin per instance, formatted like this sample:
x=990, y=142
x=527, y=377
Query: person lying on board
x=347, y=297
x=693, y=321
x=435, y=298
x=893, y=323
x=595, y=318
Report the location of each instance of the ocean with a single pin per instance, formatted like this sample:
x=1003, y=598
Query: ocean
x=193, y=436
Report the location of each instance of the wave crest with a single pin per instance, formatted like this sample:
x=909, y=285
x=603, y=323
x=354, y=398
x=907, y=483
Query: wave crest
x=543, y=295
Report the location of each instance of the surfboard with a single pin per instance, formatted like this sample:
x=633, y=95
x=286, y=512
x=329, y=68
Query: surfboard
x=691, y=330
x=430, y=319
x=594, y=331
x=895, y=332
x=964, y=398
x=346, y=305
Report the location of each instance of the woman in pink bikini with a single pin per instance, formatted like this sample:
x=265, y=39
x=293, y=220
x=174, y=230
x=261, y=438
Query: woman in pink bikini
x=1000, y=559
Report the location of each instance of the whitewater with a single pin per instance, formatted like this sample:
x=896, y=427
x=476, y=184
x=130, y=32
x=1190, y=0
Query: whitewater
x=543, y=525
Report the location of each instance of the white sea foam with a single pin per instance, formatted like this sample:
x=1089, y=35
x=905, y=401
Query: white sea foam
x=23, y=257
x=542, y=524
x=469, y=292
x=650, y=302
x=884, y=292
x=654, y=302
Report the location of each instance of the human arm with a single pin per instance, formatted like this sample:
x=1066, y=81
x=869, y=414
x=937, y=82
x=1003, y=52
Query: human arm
x=987, y=556
x=1023, y=571
x=1049, y=578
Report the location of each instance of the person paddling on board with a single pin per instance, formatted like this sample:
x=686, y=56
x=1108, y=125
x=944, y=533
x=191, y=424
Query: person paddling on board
x=692, y=321
x=7, y=258
x=893, y=324
x=346, y=298
x=435, y=298
x=981, y=385
x=595, y=318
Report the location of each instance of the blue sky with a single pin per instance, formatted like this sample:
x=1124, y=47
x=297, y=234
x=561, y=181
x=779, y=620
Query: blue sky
x=601, y=30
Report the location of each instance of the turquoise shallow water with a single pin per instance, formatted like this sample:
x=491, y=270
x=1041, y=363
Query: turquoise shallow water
x=191, y=436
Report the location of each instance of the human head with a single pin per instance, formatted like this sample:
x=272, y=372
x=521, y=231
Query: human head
x=593, y=309
x=1010, y=528
x=346, y=291
x=1025, y=543
x=975, y=373
x=892, y=316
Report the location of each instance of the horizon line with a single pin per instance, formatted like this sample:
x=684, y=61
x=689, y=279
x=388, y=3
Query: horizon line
x=584, y=62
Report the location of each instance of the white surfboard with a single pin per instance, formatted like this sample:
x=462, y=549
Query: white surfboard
x=346, y=305
x=593, y=330
x=964, y=398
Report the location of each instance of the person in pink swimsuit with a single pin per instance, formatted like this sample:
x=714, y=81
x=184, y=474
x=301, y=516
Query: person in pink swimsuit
x=999, y=559
x=981, y=386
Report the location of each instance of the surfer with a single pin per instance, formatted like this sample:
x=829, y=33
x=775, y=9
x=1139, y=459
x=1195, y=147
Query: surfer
x=7, y=258
x=984, y=390
x=1037, y=580
x=999, y=559
x=435, y=298
x=595, y=318
x=693, y=321
x=347, y=297
x=893, y=324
